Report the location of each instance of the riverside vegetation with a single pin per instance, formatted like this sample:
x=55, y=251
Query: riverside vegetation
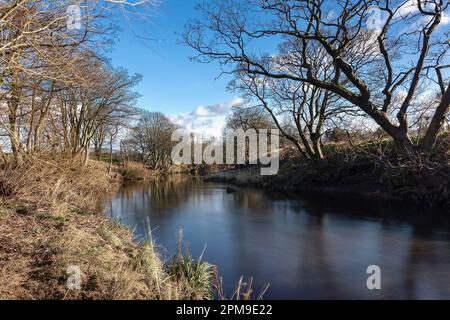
x=359, y=107
x=48, y=222
x=352, y=170
x=61, y=99
x=374, y=70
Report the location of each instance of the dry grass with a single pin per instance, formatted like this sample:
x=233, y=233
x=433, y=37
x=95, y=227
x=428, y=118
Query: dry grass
x=55, y=183
x=134, y=171
x=48, y=223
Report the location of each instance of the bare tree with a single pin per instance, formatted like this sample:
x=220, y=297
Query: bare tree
x=379, y=67
x=113, y=132
x=248, y=118
x=47, y=47
x=107, y=100
x=298, y=110
x=151, y=139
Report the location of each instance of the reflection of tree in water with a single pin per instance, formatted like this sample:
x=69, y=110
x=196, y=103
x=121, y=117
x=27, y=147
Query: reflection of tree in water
x=321, y=245
x=160, y=195
x=258, y=201
x=427, y=265
x=253, y=200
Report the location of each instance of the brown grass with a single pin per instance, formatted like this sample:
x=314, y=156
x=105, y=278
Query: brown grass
x=134, y=171
x=48, y=223
x=55, y=184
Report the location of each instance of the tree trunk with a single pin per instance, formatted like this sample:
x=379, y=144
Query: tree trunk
x=3, y=155
x=436, y=123
x=317, y=148
x=86, y=156
x=110, y=156
x=31, y=127
x=404, y=145
x=13, y=106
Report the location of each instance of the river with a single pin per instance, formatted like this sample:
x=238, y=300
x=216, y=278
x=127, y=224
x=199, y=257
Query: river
x=304, y=247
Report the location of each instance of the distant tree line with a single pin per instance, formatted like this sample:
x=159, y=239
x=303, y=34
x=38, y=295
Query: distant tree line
x=149, y=141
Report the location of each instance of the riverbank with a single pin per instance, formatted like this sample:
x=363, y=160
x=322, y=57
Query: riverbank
x=352, y=173
x=134, y=171
x=54, y=244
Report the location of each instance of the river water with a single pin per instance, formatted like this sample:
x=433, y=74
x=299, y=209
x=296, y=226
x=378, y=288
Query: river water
x=304, y=247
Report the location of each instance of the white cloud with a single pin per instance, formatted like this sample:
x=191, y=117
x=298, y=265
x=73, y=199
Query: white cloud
x=407, y=8
x=445, y=18
x=216, y=110
x=411, y=7
x=200, y=111
x=208, y=121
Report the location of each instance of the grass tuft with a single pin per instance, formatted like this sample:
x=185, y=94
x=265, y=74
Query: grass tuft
x=196, y=276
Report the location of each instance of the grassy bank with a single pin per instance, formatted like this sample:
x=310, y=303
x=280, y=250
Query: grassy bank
x=369, y=170
x=136, y=171
x=50, y=226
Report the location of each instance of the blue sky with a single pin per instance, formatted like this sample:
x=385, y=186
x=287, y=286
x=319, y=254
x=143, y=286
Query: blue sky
x=188, y=92
x=172, y=84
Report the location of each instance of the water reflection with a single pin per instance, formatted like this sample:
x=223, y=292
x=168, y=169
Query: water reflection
x=305, y=248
